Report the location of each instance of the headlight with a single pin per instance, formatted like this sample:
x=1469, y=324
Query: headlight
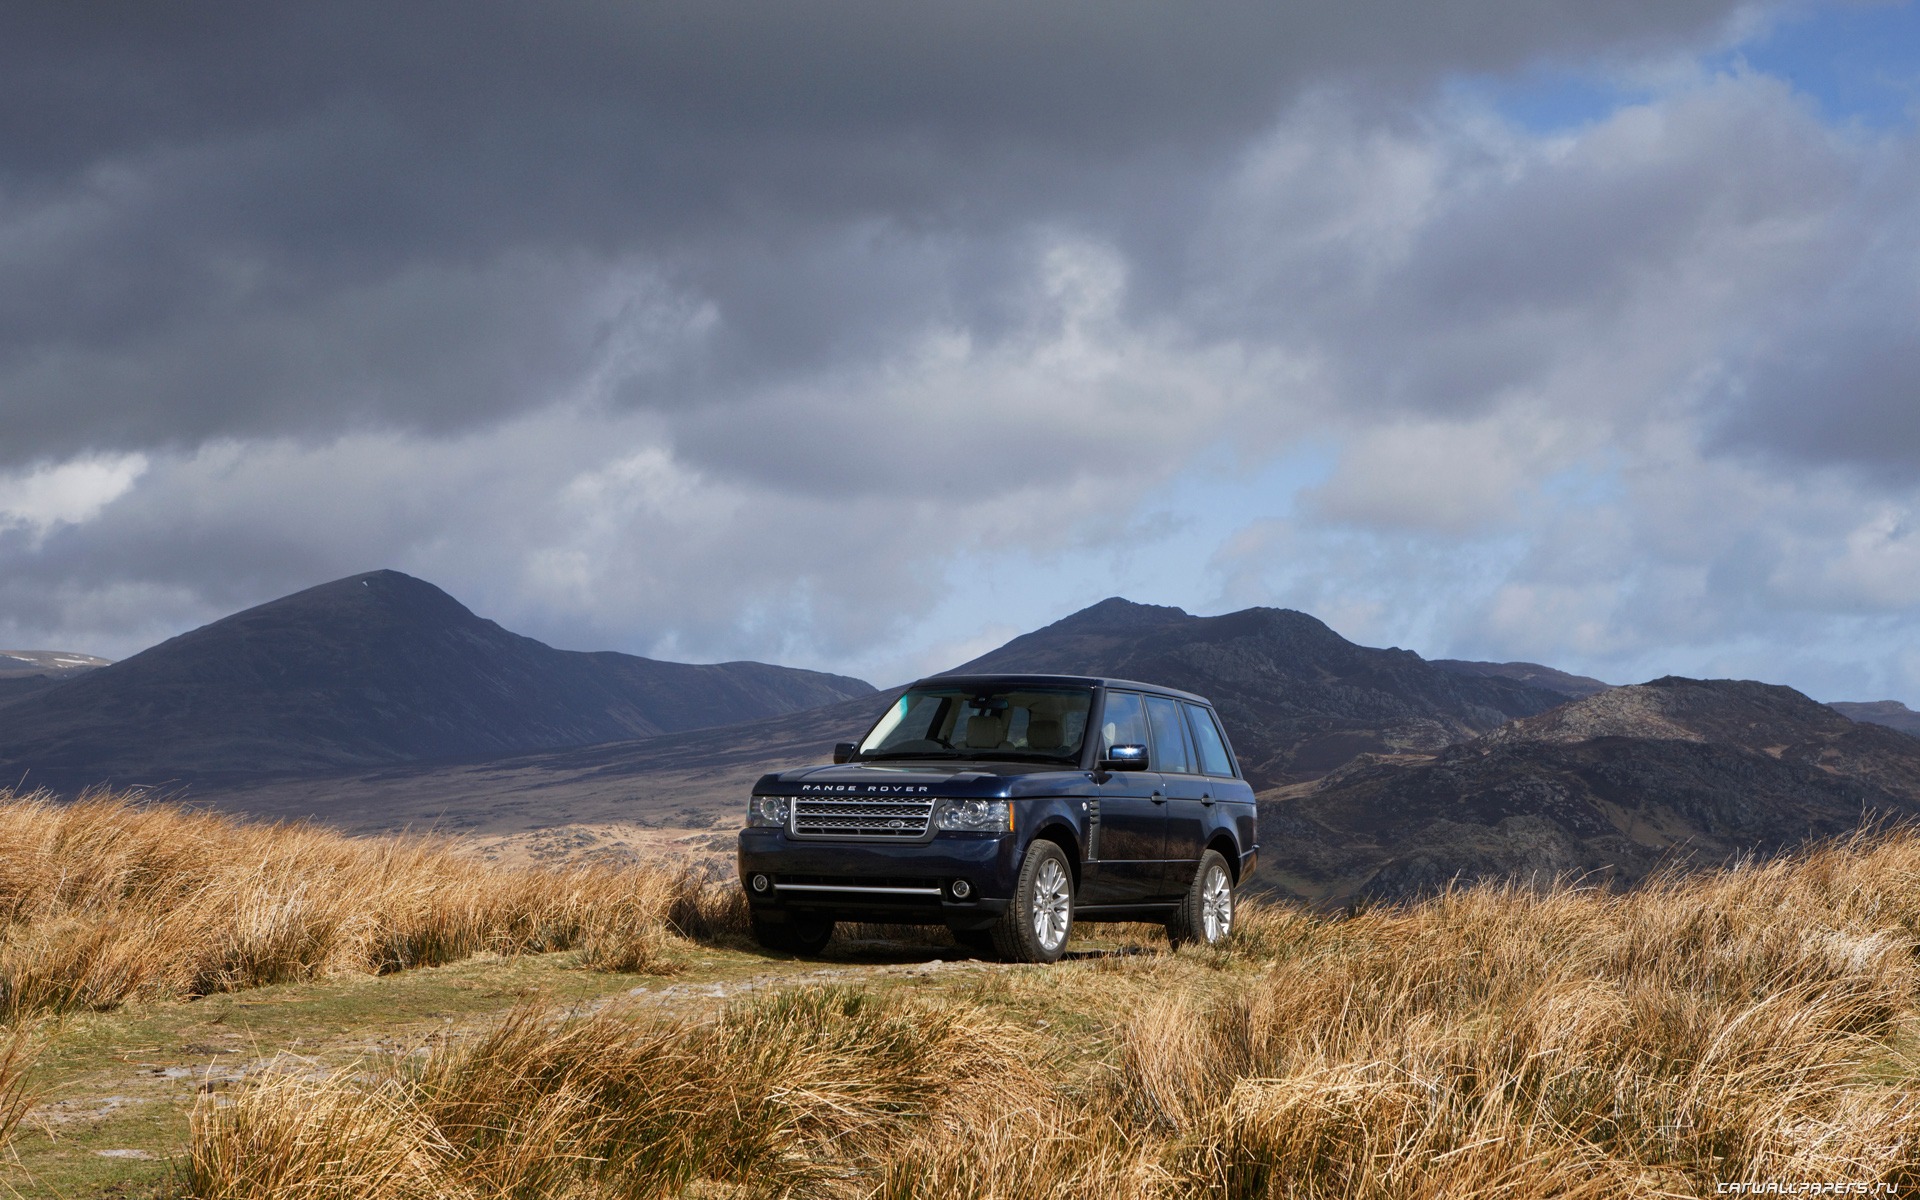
x=767, y=810
x=980, y=816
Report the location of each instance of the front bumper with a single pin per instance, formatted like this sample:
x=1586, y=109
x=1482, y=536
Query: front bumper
x=895, y=883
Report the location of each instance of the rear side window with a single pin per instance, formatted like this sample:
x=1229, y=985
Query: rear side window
x=1125, y=722
x=1169, y=736
x=1212, y=748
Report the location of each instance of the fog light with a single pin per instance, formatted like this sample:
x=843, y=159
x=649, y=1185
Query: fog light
x=962, y=889
x=761, y=883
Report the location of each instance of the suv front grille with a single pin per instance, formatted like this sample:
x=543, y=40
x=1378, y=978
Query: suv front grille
x=861, y=818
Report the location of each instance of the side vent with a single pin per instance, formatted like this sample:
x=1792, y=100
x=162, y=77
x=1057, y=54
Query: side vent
x=1093, y=830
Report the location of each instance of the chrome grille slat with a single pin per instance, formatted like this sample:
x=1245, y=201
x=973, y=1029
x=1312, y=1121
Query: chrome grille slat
x=840, y=817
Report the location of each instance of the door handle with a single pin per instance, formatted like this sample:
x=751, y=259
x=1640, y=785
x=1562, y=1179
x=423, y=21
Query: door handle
x=1207, y=800
x=1159, y=799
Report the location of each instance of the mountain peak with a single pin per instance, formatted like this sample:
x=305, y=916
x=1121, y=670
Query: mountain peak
x=1119, y=615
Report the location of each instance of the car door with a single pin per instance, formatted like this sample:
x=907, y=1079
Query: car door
x=1124, y=864
x=1232, y=804
x=1185, y=791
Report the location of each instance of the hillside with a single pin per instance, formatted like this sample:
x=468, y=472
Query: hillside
x=678, y=782
x=1610, y=786
x=370, y=670
x=1573, y=687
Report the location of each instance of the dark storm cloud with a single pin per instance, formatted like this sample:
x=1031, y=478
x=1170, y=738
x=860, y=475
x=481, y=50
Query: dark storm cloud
x=247, y=219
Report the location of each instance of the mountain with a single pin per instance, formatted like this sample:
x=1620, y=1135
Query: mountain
x=1382, y=776
x=1298, y=699
x=1891, y=713
x=378, y=668
x=1573, y=687
x=1608, y=787
x=26, y=673
x=54, y=664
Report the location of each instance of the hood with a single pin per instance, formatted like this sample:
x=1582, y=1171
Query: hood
x=973, y=779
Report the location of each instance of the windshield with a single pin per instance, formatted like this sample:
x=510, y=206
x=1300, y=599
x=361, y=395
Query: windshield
x=983, y=723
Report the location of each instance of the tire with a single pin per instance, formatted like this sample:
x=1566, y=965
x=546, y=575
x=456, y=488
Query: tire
x=979, y=941
x=1039, y=920
x=1205, y=914
x=800, y=935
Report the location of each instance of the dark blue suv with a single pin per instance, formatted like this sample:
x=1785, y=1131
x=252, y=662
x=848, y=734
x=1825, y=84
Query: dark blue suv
x=1006, y=807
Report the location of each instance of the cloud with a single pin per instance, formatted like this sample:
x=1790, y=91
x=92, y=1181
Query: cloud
x=254, y=221
x=744, y=329
x=68, y=493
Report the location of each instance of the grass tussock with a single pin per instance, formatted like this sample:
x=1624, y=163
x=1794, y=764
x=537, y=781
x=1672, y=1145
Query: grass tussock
x=107, y=900
x=1708, y=1029
x=1739, y=1026
x=793, y=1094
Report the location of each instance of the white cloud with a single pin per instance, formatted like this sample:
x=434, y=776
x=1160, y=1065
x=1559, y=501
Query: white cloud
x=68, y=493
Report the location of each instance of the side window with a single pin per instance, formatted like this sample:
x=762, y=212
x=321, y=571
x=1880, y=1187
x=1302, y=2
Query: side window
x=1125, y=722
x=1212, y=749
x=1169, y=735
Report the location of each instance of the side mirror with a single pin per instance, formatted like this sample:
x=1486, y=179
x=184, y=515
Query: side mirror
x=1124, y=758
x=845, y=751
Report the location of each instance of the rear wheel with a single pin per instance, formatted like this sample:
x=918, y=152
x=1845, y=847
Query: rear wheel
x=1205, y=914
x=798, y=935
x=1036, y=924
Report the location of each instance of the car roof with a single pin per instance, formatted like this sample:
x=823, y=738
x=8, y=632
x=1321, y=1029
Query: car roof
x=999, y=680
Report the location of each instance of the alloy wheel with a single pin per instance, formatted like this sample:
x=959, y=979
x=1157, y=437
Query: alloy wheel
x=1216, y=905
x=1052, y=905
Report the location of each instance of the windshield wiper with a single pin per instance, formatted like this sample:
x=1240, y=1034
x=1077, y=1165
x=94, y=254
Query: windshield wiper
x=872, y=755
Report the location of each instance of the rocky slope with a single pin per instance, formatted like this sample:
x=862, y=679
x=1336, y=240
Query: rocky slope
x=1607, y=788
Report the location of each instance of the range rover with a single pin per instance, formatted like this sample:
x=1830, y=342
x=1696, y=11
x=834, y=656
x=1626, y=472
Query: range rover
x=1008, y=807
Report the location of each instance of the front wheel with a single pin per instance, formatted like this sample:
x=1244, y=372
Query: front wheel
x=1205, y=914
x=1036, y=924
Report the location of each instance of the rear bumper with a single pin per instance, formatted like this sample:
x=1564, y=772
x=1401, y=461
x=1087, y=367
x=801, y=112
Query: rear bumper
x=890, y=883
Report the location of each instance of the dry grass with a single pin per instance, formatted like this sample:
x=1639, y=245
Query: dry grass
x=793, y=1094
x=1726, y=1027
x=1492, y=1041
x=107, y=900
x=16, y=1094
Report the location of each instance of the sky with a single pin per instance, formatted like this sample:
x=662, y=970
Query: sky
x=864, y=336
